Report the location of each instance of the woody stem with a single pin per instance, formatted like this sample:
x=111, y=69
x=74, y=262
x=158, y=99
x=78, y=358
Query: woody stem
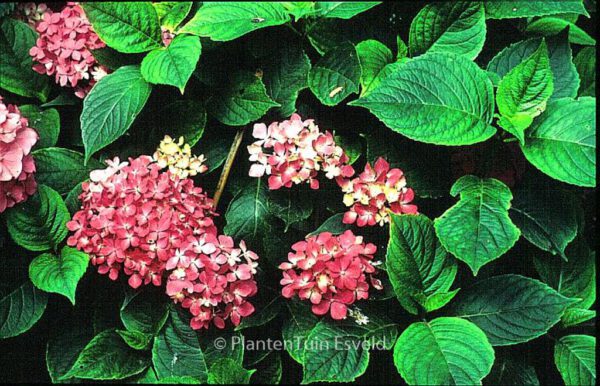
x=237, y=141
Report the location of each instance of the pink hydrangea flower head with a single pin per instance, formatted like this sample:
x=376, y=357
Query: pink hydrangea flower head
x=294, y=151
x=214, y=280
x=136, y=217
x=374, y=193
x=16, y=163
x=63, y=49
x=331, y=272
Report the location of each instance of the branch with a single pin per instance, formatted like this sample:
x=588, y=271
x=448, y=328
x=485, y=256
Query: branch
x=227, y=166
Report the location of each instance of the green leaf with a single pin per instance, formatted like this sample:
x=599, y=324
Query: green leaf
x=565, y=78
x=495, y=9
x=290, y=205
x=176, y=351
x=62, y=169
x=21, y=309
x=215, y=146
x=136, y=339
x=42, y=223
x=16, y=73
x=456, y=27
x=562, y=141
x=548, y=26
x=244, y=101
x=418, y=266
x=477, y=228
x=335, y=75
x=511, y=309
x=63, y=349
x=6, y=8
x=575, y=278
x=444, y=351
x=45, y=121
x=128, y=28
x=333, y=225
x=172, y=65
x=185, y=118
x=297, y=328
x=248, y=217
x=59, y=275
x=172, y=13
x=268, y=305
x=223, y=21
x=373, y=57
x=524, y=91
x=232, y=347
x=285, y=75
x=300, y=9
x=111, y=107
x=574, y=316
x=575, y=358
x=107, y=357
x=228, y=372
x=144, y=311
x=513, y=372
x=585, y=62
x=547, y=218
x=343, y=9
x=72, y=200
x=270, y=373
x=414, y=100
x=340, y=352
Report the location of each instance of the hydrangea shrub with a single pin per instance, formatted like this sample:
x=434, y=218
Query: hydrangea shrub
x=298, y=192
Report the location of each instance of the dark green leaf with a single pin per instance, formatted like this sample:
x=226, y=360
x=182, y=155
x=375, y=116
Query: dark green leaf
x=21, y=309
x=585, y=62
x=45, y=121
x=228, y=372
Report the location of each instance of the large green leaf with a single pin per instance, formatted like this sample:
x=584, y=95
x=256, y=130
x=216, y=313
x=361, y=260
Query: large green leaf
x=418, y=266
x=62, y=169
x=228, y=372
x=523, y=92
x=511, y=309
x=416, y=101
x=297, y=327
x=547, y=217
x=495, y=9
x=562, y=141
x=176, y=351
x=248, y=217
x=172, y=65
x=245, y=100
x=172, y=13
x=585, y=62
x=335, y=75
x=16, y=73
x=373, y=57
x=575, y=278
x=456, y=27
x=290, y=205
x=548, y=26
x=21, y=309
x=477, y=229
x=127, y=27
x=107, y=357
x=111, y=107
x=42, y=223
x=512, y=371
x=145, y=311
x=45, y=121
x=444, y=351
x=185, y=118
x=224, y=21
x=343, y=9
x=59, y=274
x=575, y=358
x=285, y=75
x=269, y=370
x=64, y=347
x=565, y=77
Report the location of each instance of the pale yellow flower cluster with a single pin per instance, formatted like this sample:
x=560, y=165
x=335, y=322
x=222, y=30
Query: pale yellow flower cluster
x=177, y=156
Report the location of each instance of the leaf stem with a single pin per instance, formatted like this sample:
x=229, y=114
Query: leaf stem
x=235, y=145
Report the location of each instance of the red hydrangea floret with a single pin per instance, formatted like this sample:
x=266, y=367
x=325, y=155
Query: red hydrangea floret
x=375, y=192
x=294, y=151
x=135, y=218
x=16, y=163
x=214, y=280
x=63, y=49
x=332, y=272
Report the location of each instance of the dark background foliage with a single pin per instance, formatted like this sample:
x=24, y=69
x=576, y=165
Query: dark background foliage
x=22, y=359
